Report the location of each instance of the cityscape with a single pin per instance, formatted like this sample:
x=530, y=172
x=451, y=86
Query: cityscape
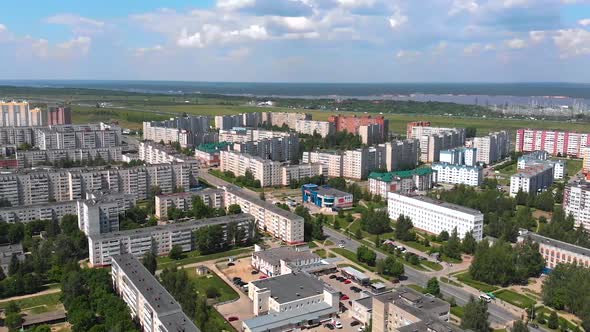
x=190, y=200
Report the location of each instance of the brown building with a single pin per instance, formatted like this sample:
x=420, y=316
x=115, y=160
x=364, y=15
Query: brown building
x=411, y=125
x=353, y=123
x=59, y=115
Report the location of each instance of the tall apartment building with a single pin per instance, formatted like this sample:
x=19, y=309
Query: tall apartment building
x=159, y=239
x=281, y=224
x=284, y=118
x=15, y=114
x=558, y=252
x=310, y=127
x=277, y=148
x=493, y=147
x=542, y=157
x=406, y=310
x=333, y=160
x=58, y=115
x=404, y=182
x=371, y=134
x=458, y=174
x=33, y=158
x=17, y=136
x=353, y=123
x=532, y=179
x=148, y=301
x=586, y=162
x=264, y=170
x=299, y=172
x=46, y=211
x=188, y=131
x=226, y=122
x=576, y=201
x=401, y=155
x=435, y=139
x=557, y=143
x=459, y=156
x=99, y=212
x=77, y=136
x=43, y=186
x=410, y=126
x=436, y=216
x=184, y=201
x=155, y=153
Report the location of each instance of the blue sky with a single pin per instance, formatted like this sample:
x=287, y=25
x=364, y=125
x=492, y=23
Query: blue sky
x=297, y=40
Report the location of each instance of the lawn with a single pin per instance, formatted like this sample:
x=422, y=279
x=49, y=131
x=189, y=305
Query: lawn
x=482, y=286
x=321, y=253
x=212, y=280
x=417, y=288
x=37, y=304
x=432, y=265
x=416, y=245
x=514, y=298
x=196, y=257
x=312, y=244
x=458, y=311
x=546, y=312
x=450, y=282
x=352, y=257
x=219, y=174
x=328, y=243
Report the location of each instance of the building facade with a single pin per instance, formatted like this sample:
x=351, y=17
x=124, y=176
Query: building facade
x=155, y=153
x=309, y=127
x=493, y=147
x=32, y=158
x=283, y=260
x=99, y=212
x=47, y=211
x=459, y=156
x=532, y=179
x=404, y=182
x=326, y=197
x=436, y=216
x=299, y=172
x=353, y=123
x=458, y=174
x=268, y=172
x=435, y=139
x=402, y=155
x=208, y=154
x=184, y=201
x=333, y=160
x=576, y=201
x=65, y=137
x=542, y=157
x=557, y=143
x=558, y=252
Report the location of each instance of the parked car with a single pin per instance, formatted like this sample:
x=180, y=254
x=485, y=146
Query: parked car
x=232, y=318
x=254, y=272
x=341, y=245
x=347, y=281
x=344, y=297
x=329, y=326
x=338, y=325
x=355, y=323
x=341, y=279
x=230, y=264
x=236, y=279
x=333, y=276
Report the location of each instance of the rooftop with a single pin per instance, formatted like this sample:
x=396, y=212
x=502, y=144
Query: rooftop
x=325, y=190
x=175, y=227
x=556, y=243
x=443, y=204
x=168, y=310
x=238, y=191
x=290, y=287
x=532, y=170
x=389, y=176
x=8, y=250
x=205, y=191
x=366, y=302
x=355, y=273
x=274, y=321
x=213, y=147
x=456, y=166
x=288, y=254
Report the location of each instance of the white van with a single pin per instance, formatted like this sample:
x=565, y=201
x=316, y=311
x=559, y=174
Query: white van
x=485, y=297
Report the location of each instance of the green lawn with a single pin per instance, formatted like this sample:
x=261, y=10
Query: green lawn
x=321, y=253
x=312, y=244
x=514, y=298
x=482, y=286
x=219, y=174
x=432, y=265
x=458, y=311
x=37, y=304
x=352, y=257
x=202, y=283
x=415, y=245
x=450, y=282
x=196, y=257
x=417, y=288
x=546, y=312
x=328, y=243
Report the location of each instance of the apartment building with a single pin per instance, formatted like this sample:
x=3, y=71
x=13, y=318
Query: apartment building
x=58, y=115
x=285, y=148
x=283, y=260
x=558, y=252
x=557, y=143
x=208, y=154
x=158, y=238
x=435, y=139
x=542, y=157
x=16, y=114
x=402, y=155
x=586, y=162
x=155, y=153
x=99, y=212
x=357, y=164
x=410, y=127
x=17, y=136
x=34, y=158
x=333, y=160
x=281, y=224
x=47, y=211
x=371, y=134
x=300, y=172
x=148, y=301
x=268, y=172
x=284, y=118
x=436, y=216
x=6, y=254
x=188, y=131
x=404, y=182
x=406, y=310
x=352, y=124
x=459, y=156
x=225, y=122
x=493, y=147
x=184, y=201
x=310, y=127
x=90, y=136
x=458, y=174
x=532, y=179
x=576, y=201
x=42, y=186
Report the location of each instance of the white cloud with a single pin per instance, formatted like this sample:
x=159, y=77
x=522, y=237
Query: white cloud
x=397, y=19
x=460, y=6
x=238, y=53
x=2, y=27
x=405, y=54
x=148, y=50
x=234, y=4
x=356, y=3
x=214, y=34
x=537, y=36
x=76, y=47
x=516, y=44
x=79, y=24
x=584, y=22
x=572, y=42
x=298, y=23
x=186, y=40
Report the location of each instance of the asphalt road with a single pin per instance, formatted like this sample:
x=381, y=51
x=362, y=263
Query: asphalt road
x=498, y=314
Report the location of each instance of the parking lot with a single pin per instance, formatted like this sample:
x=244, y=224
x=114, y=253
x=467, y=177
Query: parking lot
x=241, y=268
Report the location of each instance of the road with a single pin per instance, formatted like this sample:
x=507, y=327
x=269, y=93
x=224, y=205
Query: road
x=498, y=313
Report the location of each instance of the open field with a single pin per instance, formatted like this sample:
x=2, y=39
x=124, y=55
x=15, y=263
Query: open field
x=212, y=280
x=37, y=304
x=482, y=286
x=514, y=298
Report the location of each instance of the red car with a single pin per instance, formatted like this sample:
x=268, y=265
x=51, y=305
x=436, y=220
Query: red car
x=262, y=277
x=344, y=297
x=232, y=318
x=347, y=281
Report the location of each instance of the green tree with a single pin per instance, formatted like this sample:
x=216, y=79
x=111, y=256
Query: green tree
x=212, y=292
x=519, y=326
x=403, y=229
x=468, y=244
x=453, y=246
x=262, y=196
x=366, y=255
x=432, y=287
x=358, y=234
x=14, y=265
x=553, y=321
x=69, y=224
x=210, y=239
x=475, y=316
x=150, y=262
x=336, y=223
x=175, y=252
x=234, y=209
x=13, y=321
x=443, y=236
x=393, y=267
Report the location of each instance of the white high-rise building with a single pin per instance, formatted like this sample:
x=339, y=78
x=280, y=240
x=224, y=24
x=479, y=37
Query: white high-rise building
x=99, y=213
x=435, y=216
x=458, y=174
x=576, y=201
x=492, y=147
x=264, y=170
x=532, y=179
x=333, y=160
x=401, y=155
x=300, y=172
x=459, y=156
x=309, y=127
x=435, y=139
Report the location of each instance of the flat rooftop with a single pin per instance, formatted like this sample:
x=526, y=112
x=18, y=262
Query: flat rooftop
x=290, y=287
x=288, y=254
x=440, y=203
x=256, y=200
x=274, y=321
x=558, y=244
x=389, y=176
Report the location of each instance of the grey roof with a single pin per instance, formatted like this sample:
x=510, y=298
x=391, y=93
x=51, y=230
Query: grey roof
x=366, y=302
x=168, y=310
x=447, y=205
x=430, y=326
x=288, y=254
x=9, y=249
x=256, y=200
x=292, y=317
x=532, y=170
x=426, y=308
x=331, y=191
x=290, y=287
x=558, y=244
x=178, y=226
x=355, y=273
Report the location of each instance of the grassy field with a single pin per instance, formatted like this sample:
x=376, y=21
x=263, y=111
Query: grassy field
x=352, y=257
x=196, y=257
x=450, y=282
x=321, y=253
x=37, y=304
x=482, y=286
x=417, y=288
x=212, y=280
x=432, y=265
x=514, y=298
x=458, y=311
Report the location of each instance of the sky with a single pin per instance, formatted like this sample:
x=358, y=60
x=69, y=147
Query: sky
x=297, y=40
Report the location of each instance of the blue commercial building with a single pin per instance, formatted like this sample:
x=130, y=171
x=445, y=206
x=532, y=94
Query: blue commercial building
x=326, y=197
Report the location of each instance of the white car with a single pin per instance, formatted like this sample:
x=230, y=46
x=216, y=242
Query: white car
x=341, y=245
x=338, y=325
